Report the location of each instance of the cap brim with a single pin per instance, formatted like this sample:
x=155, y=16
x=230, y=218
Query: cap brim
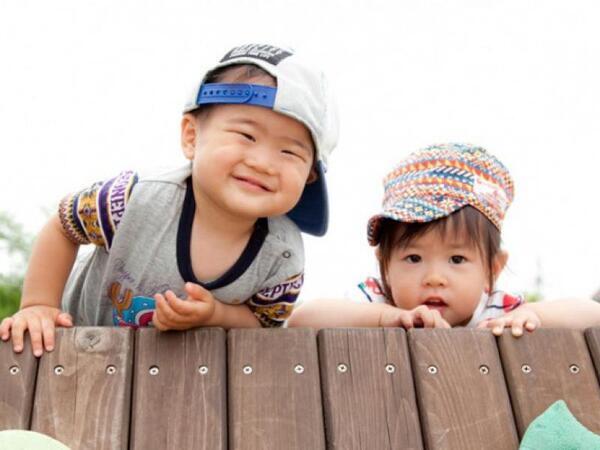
x=411, y=210
x=311, y=213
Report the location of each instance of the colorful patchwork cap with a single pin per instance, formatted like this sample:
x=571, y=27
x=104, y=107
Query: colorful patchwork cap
x=302, y=93
x=438, y=180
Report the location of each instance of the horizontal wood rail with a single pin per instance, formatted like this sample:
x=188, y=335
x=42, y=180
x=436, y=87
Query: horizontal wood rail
x=112, y=388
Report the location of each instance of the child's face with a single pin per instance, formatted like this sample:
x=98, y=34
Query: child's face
x=248, y=161
x=443, y=272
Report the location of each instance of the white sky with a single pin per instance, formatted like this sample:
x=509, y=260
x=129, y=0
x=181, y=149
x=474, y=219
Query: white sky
x=88, y=89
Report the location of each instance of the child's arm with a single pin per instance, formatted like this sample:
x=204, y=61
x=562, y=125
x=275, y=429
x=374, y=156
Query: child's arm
x=335, y=313
x=51, y=261
x=572, y=313
x=200, y=309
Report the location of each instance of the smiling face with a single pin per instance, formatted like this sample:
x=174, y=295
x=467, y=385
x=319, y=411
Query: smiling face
x=248, y=161
x=441, y=267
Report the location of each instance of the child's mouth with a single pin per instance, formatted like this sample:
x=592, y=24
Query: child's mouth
x=435, y=303
x=253, y=183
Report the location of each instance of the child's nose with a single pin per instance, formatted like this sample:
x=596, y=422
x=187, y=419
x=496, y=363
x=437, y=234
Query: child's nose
x=434, y=278
x=261, y=159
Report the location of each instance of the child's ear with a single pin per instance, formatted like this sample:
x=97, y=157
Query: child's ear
x=499, y=263
x=378, y=254
x=189, y=134
x=312, y=176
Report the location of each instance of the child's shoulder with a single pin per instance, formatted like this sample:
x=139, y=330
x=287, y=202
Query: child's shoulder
x=177, y=175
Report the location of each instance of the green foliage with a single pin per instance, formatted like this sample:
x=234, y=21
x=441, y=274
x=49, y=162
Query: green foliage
x=15, y=246
x=532, y=297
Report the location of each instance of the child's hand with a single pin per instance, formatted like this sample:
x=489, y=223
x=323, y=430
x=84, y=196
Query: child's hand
x=41, y=322
x=518, y=319
x=173, y=313
x=419, y=317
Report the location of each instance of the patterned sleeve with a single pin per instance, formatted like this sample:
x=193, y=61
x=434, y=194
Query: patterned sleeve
x=93, y=214
x=367, y=291
x=273, y=305
x=495, y=305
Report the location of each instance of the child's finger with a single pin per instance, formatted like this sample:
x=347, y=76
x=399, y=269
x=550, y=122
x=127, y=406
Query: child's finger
x=168, y=316
x=497, y=326
x=5, y=328
x=34, y=327
x=196, y=292
x=64, y=320
x=48, y=334
x=181, y=307
x=157, y=322
x=530, y=325
x=19, y=326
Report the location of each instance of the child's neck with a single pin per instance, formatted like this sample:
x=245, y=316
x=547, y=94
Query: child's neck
x=217, y=241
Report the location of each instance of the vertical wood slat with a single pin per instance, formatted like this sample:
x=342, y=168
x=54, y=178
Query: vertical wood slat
x=274, y=390
x=83, y=388
x=592, y=336
x=17, y=384
x=462, y=396
x=368, y=391
x=179, y=397
x=549, y=365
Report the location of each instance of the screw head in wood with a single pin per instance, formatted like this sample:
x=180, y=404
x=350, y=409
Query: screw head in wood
x=343, y=368
x=59, y=370
x=13, y=370
x=153, y=370
x=484, y=370
x=111, y=370
x=203, y=370
x=432, y=370
x=390, y=368
x=299, y=368
x=247, y=370
x=574, y=368
x=526, y=368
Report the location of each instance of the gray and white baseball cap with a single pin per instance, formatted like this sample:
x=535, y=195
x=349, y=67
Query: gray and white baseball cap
x=302, y=93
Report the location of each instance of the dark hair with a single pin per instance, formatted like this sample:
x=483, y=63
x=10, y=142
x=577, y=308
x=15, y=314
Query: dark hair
x=236, y=73
x=480, y=232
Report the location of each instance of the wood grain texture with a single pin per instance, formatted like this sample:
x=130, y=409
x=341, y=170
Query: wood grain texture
x=592, y=336
x=274, y=390
x=548, y=365
x=179, y=394
x=18, y=373
x=83, y=388
x=368, y=391
x=461, y=392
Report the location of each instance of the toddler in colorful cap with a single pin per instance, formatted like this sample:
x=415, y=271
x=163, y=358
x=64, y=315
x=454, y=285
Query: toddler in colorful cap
x=214, y=243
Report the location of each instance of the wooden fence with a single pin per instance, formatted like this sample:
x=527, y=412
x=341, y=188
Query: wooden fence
x=109, y=388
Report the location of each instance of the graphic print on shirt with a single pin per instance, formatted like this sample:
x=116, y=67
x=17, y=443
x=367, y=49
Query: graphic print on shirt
x=129, y=310
x=272, y=306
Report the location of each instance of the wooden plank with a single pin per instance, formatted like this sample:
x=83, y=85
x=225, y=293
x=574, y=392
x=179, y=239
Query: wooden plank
x=179, y=390
x=17, y=384
x=368, y=391
x=592, y=336
x=274, y=390
x=461, y=392
x=83, y=388
x=548, y=365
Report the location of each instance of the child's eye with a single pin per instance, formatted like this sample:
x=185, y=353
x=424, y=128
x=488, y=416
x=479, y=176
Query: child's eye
x=413, y=259
x=457, y=259
x=246, y=136
x=292, y=153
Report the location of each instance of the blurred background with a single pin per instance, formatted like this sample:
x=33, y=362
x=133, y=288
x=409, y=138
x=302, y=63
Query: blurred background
x=88, y=89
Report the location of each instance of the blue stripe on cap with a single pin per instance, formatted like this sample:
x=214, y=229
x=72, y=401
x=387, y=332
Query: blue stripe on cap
x=246, y=94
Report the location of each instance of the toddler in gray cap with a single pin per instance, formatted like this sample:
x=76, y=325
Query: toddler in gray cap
x=257, y=132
